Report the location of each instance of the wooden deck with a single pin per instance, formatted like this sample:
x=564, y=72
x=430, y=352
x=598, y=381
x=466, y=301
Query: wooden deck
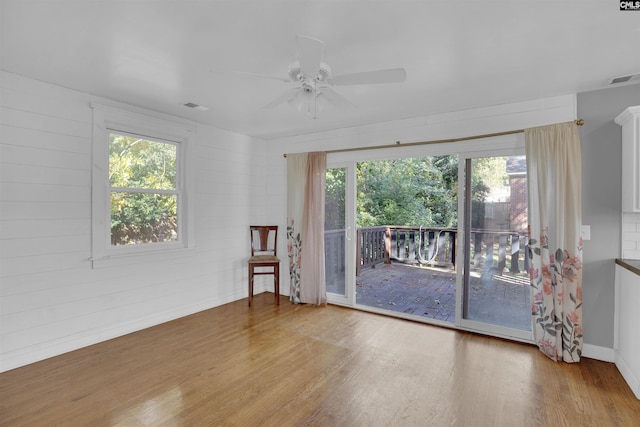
x=431, y=292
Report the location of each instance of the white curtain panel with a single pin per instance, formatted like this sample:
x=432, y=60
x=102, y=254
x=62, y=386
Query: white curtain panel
x=555, y=243
x=305, y=227
x=312, y=276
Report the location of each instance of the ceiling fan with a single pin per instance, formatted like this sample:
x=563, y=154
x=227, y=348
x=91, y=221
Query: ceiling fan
x=315, y=81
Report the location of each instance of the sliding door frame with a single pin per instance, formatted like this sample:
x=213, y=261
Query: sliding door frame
x=464, y=246
x=510, y=144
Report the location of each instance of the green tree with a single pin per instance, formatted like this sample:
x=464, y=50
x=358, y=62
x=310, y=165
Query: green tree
x=411, y=191
x=335, y=199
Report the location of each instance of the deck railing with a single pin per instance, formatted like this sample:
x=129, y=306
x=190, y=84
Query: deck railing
x=421, y=245
x=371, y=247
x=490, y=249
x=500, y=250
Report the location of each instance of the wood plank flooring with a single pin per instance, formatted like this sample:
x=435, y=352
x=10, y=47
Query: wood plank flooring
x=317, y=366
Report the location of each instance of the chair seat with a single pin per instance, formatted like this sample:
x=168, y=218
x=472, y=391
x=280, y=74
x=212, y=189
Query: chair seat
x=263, y=258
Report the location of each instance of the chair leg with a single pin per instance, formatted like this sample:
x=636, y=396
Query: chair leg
x=250, y=285
x=276, y=286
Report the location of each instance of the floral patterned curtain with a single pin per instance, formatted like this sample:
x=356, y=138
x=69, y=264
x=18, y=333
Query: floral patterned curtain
x=305, y=227
x=555, y=242
x=296, y=178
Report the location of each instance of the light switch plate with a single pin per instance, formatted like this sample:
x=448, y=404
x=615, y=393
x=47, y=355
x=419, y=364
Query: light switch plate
x=586, y=232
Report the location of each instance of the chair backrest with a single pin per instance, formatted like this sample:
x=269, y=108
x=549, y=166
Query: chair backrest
x=264, y=239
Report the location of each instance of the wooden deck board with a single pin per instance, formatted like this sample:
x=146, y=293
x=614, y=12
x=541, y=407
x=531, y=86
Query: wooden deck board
x=430, y=293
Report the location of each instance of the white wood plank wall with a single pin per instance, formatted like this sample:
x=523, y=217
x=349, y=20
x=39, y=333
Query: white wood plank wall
x=51, y=300
x=631, y=235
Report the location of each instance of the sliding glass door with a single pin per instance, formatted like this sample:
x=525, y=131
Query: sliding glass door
x=338, y=235
x=451, y=247
x=406, y=232
x=496, y=296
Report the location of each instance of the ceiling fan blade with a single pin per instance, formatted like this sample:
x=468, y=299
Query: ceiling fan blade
x=310, y=55
x=336, y=99
x=245, y=73
x=392, y=75
x=282, y=98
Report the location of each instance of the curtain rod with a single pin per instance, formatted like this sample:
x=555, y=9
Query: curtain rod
x=578, y=122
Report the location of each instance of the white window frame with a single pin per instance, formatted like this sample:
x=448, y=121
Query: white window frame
x=109, y=119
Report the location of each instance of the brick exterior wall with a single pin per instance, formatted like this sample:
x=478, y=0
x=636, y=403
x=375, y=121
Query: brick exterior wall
x=518, y=209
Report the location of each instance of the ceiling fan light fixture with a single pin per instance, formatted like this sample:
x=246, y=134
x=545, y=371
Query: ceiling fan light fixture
x=303, y=100
x=301, y=107
x=321, y=102
x=296, y=74
x=307, y=91
x=298, y=102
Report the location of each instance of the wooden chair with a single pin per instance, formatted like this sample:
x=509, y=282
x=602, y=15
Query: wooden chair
x=264, y=244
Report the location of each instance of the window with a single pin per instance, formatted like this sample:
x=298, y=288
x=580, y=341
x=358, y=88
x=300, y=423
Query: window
x=141, y=183
x=144, y=195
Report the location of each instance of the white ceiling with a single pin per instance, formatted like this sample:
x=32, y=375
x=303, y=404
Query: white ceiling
x=458, y=54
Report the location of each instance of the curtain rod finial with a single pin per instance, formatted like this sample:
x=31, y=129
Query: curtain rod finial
x=579, y=122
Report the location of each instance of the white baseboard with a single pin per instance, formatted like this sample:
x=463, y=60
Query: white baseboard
x=605, y=354
x=36, y=353
x=628, y=374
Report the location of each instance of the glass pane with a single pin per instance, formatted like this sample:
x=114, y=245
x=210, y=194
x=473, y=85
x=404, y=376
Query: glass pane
x=143, y=218
x=334, y=230
x=139, y=163
x=407, y=217
x=496, y=279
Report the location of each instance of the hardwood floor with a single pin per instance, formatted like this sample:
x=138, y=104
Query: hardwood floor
x=321, y=366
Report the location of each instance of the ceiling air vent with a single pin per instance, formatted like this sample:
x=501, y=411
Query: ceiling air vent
x=622, y=79
x=196, y=106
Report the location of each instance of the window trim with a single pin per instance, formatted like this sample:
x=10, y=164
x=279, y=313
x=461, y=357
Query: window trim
x=109, y=119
